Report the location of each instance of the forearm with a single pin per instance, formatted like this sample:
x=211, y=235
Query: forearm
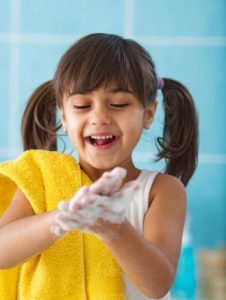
x=25, y=238
x=146, y=265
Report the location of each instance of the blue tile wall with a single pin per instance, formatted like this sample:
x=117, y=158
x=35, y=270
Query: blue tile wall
x=194, y=67
x=38, y=64
x=4, y=15
x=72, y=16
x=207, y=205
x=174, y=17
x=4, y=94
x=187, y=40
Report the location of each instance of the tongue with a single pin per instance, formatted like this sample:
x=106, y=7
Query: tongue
x=103, y=142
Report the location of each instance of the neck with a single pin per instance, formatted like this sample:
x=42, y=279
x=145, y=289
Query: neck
x=94, y=173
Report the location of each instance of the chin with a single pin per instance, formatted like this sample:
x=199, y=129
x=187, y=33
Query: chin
x=103, y=166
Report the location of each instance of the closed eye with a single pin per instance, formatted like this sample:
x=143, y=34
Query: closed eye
x=120, y=105
x=80, y=107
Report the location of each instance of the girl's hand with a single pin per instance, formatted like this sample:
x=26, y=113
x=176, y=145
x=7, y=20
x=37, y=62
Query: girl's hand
x=91, y=210
x=109, y=182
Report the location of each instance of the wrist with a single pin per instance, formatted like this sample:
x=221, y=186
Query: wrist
x=55, y=230
x=51, y=217
x=113, y=232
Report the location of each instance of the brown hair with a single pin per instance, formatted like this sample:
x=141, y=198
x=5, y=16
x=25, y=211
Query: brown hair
x=39, y=119
x=100, y=60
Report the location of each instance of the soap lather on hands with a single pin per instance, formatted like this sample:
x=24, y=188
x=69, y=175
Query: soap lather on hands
x=92, y=207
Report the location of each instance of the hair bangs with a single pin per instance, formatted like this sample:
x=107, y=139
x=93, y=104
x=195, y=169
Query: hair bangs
x=88, y=65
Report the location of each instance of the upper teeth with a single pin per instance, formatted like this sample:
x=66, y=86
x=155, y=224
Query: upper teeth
x=101, y=137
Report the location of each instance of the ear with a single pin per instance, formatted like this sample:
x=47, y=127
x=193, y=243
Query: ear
x=149, y=114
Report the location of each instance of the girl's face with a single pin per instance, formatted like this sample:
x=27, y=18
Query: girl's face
x=104, y=126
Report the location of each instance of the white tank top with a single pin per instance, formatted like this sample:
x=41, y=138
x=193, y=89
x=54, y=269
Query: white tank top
x=135, y=214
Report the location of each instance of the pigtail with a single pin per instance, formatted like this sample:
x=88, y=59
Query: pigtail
x=39, y=120
x=179, y=144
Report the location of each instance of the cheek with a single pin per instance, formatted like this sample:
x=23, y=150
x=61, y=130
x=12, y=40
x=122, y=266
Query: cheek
x=74, y=127
x=136, y=121
x=71, y=120
x=134, y=126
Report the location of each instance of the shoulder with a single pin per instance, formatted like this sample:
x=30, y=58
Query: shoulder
x=18, y=208
x=45, y=159
x=167, y=186
x=45, y=154
x=36, y=161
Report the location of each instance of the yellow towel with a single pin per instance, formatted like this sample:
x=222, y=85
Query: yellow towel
x=78, y=266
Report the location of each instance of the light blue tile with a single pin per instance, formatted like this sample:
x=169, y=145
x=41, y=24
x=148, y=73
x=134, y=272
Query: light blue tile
x=203, y=71
x=176, y=17
x=38, y=64
x=4, y=95
x=72, y=17
x=146, y=150
x=5, y=15
x=207, y=205
x=3, y=158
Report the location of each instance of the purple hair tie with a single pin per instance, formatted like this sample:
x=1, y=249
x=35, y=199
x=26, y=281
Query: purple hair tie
x=160, y=83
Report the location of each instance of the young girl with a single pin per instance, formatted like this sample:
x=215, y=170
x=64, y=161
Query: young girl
x=64, y=237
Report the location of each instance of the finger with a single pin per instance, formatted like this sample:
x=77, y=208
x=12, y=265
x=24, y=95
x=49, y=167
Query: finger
x=67, y=224
x=63, y=206
x=100, y=200
x=86, y=201
x=119, y=172
x=78, y=195
x=92, y=200
x=109, y=182
x=73, y=216
x=86, y=216
x=117, y=176
x=115, y=181
x=105, y=186
x=97, y=186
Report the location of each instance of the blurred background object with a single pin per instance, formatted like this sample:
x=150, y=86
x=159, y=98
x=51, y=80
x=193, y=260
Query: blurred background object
x=187, y=40
x=185, y=284
x=212, y=274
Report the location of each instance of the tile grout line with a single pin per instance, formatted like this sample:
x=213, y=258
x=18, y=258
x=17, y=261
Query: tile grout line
x=142, y=156
x=128, y=18
x=204, y=158
x=183, y=41
x=14, y=77
x=164, y=41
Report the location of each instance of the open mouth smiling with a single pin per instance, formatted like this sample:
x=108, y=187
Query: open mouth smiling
x=101, y=141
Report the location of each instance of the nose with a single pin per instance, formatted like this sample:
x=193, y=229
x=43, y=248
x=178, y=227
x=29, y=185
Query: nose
x=100, y=116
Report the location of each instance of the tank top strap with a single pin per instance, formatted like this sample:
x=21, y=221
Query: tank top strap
x=139, y=205
x=146, y=178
